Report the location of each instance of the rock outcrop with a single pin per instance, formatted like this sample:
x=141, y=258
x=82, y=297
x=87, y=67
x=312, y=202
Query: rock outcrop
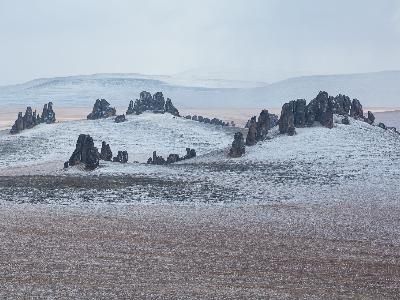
x=213, y=121
x=170, y=108
x=320, y=109
x=101, y=110
x=85, y=152
x=238, y=147
x=122, y=157
x=155, y=104
x=341, y=105
x=371, y=118
x=252, y=133
x=106, y=153
x=258, y=129
x=31, y=119
x=120, y=119
x=286, y=121
x=172, y=158
x=48, y=114
x=356, y=110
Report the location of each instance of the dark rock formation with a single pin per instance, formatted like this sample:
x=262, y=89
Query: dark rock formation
x=66, y=165
x=170, y=108
x=320, y=109
x=188, y=117
x=48, y=114
x=286, y=121
x=252, y=133
x=263, y=123
x=371, y=118
x=238, y=148
x=101, y=109
x=85, y=152
x=156, y=160
x=356, y=110
x=383, y=126
x=106, y=153
x=299, y=111
x=120, y=119
x=172, y=158
x=213, y=121
x=18, y=124
x=258, y=129
x=122, y=157
x=346, y=120
x=155, y=103
x=190, y=153
x=273, y=120
x=341, y=105
x=31, y=119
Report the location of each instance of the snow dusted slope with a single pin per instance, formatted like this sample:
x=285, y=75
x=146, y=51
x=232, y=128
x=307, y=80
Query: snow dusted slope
x=373, y=89
x=45, y=147
x=356, y=162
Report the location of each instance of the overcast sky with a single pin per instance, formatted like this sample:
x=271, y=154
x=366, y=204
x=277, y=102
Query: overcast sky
x=246, y=39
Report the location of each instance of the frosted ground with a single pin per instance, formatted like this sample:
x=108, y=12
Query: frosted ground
x=314, y=216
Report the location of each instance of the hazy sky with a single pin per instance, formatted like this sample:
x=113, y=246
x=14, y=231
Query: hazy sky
x=250, y=39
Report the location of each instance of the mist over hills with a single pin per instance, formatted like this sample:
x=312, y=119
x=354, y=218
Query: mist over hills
x=379, y=89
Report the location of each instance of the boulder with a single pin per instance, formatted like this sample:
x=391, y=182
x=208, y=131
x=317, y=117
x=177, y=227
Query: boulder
x=66, y=165
x=106, y=153
x=170, y=108
x=188, y=117
x=238, y=147
x=383, y=126
x=85, y=153
x=101, y=109
x=356, y=110
x=120, y=119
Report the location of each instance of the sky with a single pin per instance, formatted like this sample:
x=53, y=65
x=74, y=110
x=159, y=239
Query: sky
x=263, y=40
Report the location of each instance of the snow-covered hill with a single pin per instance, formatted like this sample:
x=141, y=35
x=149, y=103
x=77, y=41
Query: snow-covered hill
x=49, y=145
x=318, y=164
x=373, y=89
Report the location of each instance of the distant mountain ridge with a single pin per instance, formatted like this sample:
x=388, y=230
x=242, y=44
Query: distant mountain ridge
x=379, y=89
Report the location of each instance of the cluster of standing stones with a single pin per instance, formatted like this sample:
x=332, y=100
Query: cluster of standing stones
x=172, y=158
x=213, y=121
x=155, y=103
x=87, y=154
x=31, y=119
x=297, y=114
